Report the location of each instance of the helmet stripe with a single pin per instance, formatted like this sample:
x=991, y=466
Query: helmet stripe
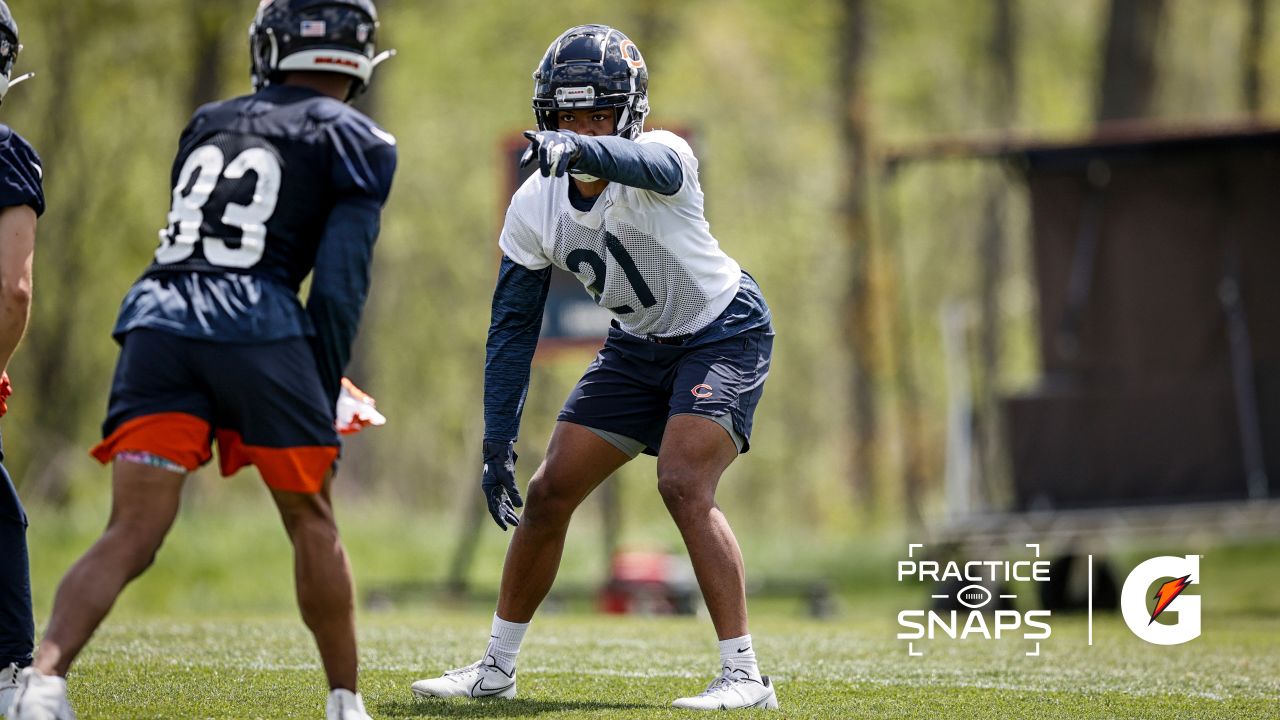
x=330, y=60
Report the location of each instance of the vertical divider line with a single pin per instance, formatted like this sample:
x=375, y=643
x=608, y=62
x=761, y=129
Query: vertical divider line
x=1090, y=601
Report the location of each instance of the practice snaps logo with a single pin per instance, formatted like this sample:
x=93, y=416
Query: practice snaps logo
x=979, y=607
x=1177, y=573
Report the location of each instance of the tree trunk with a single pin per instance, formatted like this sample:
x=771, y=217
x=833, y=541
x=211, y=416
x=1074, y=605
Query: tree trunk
x=1002, y=113
x=208, y=24
x=1254, y=52
x=856, y=225
x=1129, y=68
x=44, y=472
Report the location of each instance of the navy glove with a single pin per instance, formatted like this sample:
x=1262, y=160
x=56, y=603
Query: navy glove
x=555, y=150
x=499, y=482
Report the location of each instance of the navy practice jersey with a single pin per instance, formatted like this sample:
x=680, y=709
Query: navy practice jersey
x=21, y=173
x=266, y=188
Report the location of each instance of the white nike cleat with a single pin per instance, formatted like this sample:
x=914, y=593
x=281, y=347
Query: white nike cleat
x=8, y=687
x=732, y=691
x=345, y=705
x=40, y=697
x=477, y=680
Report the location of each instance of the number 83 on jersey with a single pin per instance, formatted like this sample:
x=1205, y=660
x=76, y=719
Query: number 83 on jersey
x=209, y=184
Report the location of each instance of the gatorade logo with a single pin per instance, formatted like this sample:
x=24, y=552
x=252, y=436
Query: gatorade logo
x=1178, y=573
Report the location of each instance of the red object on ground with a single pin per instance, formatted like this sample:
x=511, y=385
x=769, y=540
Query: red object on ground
x=648, y=583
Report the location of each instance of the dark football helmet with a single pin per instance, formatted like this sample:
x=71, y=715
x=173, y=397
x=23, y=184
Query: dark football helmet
x=317, y=35
x=9, y=48
x=592, y=66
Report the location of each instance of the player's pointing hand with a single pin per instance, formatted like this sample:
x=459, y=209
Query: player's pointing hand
x=555, y=150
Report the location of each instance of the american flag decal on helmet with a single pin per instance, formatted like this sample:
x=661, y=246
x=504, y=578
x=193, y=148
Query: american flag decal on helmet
x=312, y=28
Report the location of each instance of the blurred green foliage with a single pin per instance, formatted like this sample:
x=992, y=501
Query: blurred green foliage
x=754, y=78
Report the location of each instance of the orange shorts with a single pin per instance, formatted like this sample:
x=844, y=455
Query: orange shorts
x=263, y=404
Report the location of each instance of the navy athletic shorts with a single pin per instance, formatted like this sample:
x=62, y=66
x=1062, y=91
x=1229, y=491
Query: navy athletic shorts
x=635, y=385
x=263, y=403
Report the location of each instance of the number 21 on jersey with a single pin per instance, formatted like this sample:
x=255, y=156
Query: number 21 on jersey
x=205, y=172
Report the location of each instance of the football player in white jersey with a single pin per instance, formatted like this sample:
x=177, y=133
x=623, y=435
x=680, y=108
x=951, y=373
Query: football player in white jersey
x=679, y=375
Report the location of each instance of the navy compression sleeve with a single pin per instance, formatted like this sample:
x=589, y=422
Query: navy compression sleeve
x=648, y=166
x=518, y=302
x=339, y=286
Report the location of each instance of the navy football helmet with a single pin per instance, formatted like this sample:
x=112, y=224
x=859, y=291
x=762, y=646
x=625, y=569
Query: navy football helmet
x=592, y=66
x=315, y=35
x=9, y=48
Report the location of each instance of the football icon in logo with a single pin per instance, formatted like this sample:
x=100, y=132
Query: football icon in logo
x=973, y=596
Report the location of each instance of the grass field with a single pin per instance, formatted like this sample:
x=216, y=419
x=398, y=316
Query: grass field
x=210, y=632
x=580, y=666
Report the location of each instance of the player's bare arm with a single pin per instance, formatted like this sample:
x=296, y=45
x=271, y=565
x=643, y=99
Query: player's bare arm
x=17, y=251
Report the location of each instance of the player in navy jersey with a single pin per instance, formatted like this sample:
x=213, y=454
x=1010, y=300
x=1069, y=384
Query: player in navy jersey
x=216, y=345
x=21, y=202
x=680, y=374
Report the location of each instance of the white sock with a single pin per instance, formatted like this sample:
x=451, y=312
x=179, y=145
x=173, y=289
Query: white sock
x=504, y=643
x=738, y=656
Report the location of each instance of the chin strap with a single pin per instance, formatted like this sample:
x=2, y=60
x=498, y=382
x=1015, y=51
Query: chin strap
x=21, y=78
x=383, y=56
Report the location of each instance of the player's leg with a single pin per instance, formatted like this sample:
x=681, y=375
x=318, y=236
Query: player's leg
x=695, y=452
x=578, y=459
x=144, y=503
x=274, y=415
x=322, y=575
x=611, y=415
x=156, y=431
x=714, y=397
x=17, y=631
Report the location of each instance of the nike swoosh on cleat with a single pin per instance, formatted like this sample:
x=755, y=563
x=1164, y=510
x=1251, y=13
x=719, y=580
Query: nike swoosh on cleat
x=479, y=690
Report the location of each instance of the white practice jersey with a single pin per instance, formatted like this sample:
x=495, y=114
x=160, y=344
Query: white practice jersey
x=648, y=258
